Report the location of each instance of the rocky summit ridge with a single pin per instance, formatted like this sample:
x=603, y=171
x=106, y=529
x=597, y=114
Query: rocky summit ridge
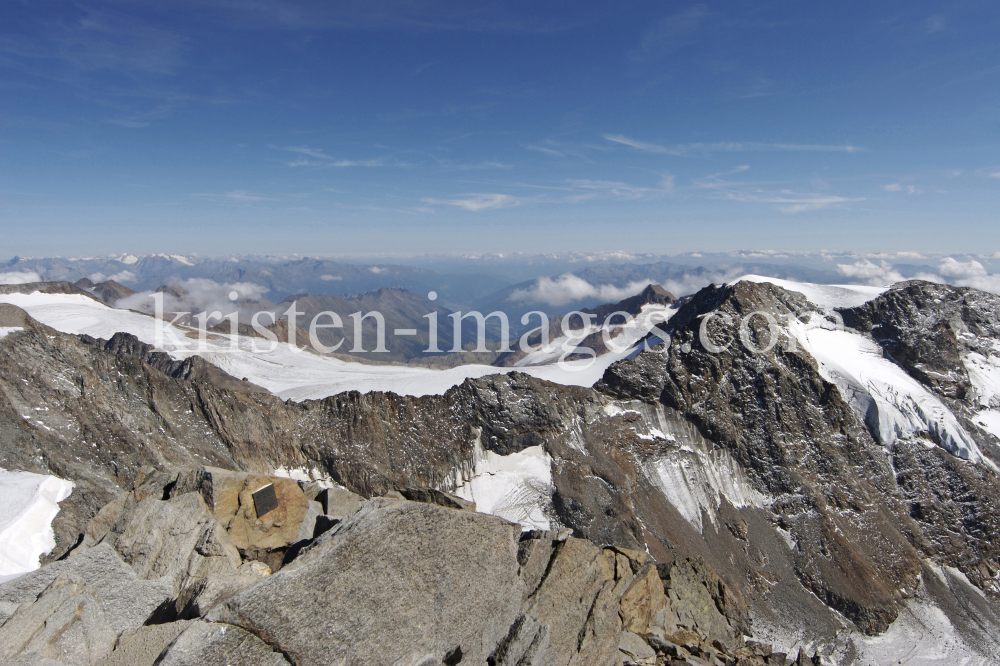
x=699, y=503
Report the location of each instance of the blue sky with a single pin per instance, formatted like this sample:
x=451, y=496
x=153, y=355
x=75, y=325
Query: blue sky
x=223, y=126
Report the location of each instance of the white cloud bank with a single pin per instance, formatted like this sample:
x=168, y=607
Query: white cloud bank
x=950, y=270
x=24, y=277
x=121, y=278
x=569, y=288
x=197, y=295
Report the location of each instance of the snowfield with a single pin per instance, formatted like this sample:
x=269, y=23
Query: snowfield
x=291, y=373
x=28, y=504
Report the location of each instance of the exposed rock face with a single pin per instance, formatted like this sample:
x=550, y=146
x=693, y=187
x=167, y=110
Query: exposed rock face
x=395, y=582
x=338, y=502
x=108, y=291
x=66, y=622
x=143, y=646
x=652, y=294
x=192, y=368
x=177, y=539
x=703, y=602
x=930, y=329
x=800, y=443
x=570, y=610
x=434, y=496
x=940, y=334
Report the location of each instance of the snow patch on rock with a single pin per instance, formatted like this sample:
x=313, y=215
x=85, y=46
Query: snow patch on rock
x=893, y=404
x=517, y=487
x=693, y=478
x=922, y=635
x=989, y=420
x=622, y=343
x=7, y=330
x=825, y=295
x=695, y=481
x=984, y=374
x=28, y=504
x=307, y=476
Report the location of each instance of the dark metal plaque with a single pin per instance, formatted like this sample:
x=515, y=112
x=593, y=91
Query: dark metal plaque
x=264, y=500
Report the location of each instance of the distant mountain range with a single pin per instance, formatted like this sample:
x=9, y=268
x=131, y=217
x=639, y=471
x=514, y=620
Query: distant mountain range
x=515, y=284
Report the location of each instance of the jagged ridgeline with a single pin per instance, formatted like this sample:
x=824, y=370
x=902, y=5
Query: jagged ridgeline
x=694, y=506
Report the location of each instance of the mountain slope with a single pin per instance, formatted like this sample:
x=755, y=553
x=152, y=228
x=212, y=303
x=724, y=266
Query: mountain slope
x=758, y=463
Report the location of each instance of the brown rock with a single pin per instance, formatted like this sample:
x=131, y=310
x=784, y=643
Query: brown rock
x=642, y=601
x=686, y=638
x=230, y=496
x=699, y=597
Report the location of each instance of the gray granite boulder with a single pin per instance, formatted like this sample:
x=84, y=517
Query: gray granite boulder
x=178, y=539
x=143, y=646
x=66, y=622
x=396, y=582
x=125, y=600
x=206, y=644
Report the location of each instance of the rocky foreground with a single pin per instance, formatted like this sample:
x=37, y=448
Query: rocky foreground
x=699, y=504
x=182, y=570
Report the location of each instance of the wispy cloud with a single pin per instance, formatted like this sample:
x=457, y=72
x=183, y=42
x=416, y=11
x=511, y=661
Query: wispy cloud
x=755, y=146
x=988, y=172
x=787, y=200
x=130, y=123
x=638, y=145
x=935, y=23
x=236, y=196
x=547, y=151
x=729, y=146
x=792, y=202
x=100, y=41
x=477, y=202
x=318, y=153
x=319, y=157
x=899, y=187
x=395, y=15
x=619, y=189
x=672, y=33
x=565, y=149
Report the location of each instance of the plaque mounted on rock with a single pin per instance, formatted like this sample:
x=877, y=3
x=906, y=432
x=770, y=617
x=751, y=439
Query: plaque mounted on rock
x=265, y=500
